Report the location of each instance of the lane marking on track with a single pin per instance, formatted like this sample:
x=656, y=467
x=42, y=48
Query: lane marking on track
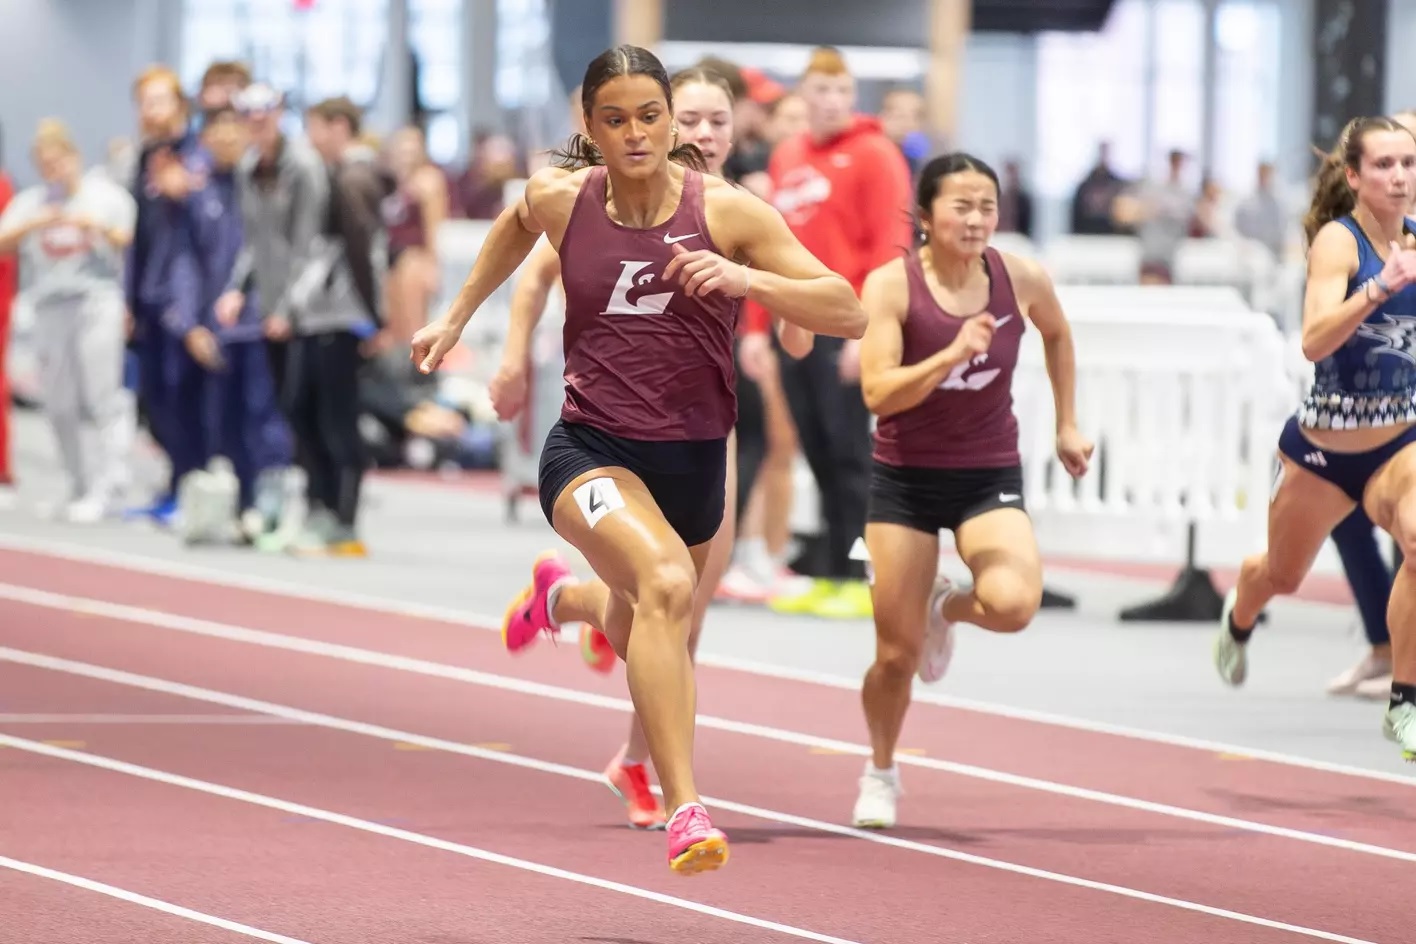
x=134, y=680
x=154, y=619
x=404, y=835
x=466, y=619
x=155, y=904
x=116, y=718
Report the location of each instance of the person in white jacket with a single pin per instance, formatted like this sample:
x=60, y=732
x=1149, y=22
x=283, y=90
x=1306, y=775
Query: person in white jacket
x=70, y=232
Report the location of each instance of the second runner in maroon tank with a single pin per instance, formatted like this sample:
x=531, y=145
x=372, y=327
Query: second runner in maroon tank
x=968, y=421
x=643, y=360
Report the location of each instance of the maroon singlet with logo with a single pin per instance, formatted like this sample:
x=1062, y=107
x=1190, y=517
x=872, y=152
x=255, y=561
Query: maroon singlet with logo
x=967, y=422
x=642, y=360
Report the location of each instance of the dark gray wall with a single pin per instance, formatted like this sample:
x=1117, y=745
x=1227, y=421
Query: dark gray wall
x=580, y=31
x=802, y=22
x=1349, y=48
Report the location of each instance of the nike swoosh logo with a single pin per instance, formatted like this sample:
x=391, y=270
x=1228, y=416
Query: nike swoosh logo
x=670, y=240
x=1002, y=321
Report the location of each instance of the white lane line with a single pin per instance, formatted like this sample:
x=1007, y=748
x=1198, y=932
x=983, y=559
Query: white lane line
x=404, y=835
x=122, y=894
x=167, y=621
x=590, y=776
x=111, y=718
x=465, y=619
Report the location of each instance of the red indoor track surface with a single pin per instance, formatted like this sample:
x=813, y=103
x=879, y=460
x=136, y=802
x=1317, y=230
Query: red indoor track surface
x=330, y=774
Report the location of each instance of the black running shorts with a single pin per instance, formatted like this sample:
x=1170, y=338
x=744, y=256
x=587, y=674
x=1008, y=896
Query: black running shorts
x=934, y=500
x=685, y=479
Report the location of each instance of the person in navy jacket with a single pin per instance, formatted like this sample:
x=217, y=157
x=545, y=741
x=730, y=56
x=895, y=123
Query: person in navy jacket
x=171, y=168
x=236, y=405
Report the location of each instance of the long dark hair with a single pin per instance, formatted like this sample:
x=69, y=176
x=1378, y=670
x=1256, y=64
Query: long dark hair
x=579, y=151
x=931, y=177
x=1332, y=197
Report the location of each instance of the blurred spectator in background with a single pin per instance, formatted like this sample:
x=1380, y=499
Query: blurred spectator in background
x=413, y=214
x=336, y=307
x=283, y=191
x=9, y=275
x=1213, y=216
x=1262, y=217
x=844, y=189
x=788, y=118
x=168, y=171
x=481, y=188
x=753, y=97
x=1160, y=212
x=221, y=83
x=238, y=403
x=1093, y=203
x=71, y=232
x=1015, y=202
x=902, y=119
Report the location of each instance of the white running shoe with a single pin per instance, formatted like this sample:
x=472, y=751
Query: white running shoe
x=1230, y=657
x=875, y=807
x=1370, y=667
x=938, y=634
x=1399, y=726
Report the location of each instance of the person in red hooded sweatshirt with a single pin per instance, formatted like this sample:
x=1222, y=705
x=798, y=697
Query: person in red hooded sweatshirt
x=8, y=282
x=844, y=188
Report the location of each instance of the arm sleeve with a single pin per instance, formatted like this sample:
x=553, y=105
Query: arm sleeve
x=309, y=207
x=357, y=220
x=184, y=310
x=245, y=262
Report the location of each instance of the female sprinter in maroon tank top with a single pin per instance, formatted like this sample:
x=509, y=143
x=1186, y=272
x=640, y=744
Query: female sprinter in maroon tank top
x=633, y=474
x=936, y=369
x=703, y=114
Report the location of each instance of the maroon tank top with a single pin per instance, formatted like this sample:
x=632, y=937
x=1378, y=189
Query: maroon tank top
x=642, y=360
x=403, y=218
x=967, y=422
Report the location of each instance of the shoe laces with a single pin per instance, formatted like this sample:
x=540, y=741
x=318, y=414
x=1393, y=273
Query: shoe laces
x=693, y=819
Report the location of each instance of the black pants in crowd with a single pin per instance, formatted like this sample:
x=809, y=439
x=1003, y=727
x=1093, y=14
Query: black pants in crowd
x=322, y=396
x=751, y=431
x=833, y=426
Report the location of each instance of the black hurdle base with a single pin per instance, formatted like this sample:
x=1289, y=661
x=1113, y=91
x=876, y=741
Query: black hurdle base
x=1056, y=600
x=1193, y=598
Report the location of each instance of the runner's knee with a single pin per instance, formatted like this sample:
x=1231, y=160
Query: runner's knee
x=1009, y=600
x=666, y=592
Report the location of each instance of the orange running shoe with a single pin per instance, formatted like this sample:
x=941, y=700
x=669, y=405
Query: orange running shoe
x=630, y=782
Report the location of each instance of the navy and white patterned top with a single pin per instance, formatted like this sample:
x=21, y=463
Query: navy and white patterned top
x=1371, y=380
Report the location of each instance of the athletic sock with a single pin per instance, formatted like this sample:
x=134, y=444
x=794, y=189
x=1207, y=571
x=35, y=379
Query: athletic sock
x=1241, y=636
x=1401, y=692
x=552, y=595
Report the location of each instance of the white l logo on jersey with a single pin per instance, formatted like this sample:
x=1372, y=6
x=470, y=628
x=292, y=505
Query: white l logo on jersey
x=647, y=304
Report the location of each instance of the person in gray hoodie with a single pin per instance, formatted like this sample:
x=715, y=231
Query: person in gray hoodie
x=336, y=308
x=282, y=190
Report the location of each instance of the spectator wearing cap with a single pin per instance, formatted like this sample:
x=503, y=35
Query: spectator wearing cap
x=282, y=196
x=282, y=191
